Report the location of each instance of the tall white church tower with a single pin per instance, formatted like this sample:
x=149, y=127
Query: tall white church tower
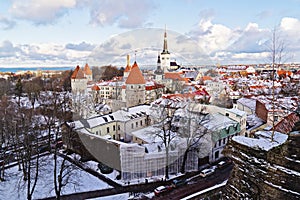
x=165, y=55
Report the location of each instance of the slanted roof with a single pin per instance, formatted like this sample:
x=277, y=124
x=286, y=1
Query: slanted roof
x=128, y=68
x=87, y=70
x=174, y=76
x=78, y=73
x=95, y=87
x=135, y=76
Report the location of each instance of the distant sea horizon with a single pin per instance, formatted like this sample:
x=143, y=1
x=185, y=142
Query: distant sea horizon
x=16, y=69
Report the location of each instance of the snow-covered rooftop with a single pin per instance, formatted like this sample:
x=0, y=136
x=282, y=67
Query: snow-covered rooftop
x=248, y=102
x=263, y=142
x=147, y=134
x=218, y=121
x=236, y=111
x=120, y=115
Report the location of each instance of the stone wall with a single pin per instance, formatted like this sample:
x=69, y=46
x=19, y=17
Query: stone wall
x=259, y=174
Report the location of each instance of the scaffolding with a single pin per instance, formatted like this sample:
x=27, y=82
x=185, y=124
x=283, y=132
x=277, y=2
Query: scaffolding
x=137, y=163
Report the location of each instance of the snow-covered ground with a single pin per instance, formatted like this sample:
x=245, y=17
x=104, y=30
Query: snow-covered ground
x=10, y=189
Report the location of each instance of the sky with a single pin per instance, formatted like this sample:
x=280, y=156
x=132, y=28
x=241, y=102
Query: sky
x=102, y=32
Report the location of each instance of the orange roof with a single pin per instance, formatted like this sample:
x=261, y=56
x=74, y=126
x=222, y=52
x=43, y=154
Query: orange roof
x=78, y=73
x=128, y=68
x=95, y=87
x=87, y=70
x=206, y=78
x=174, y=76
x=135, y=76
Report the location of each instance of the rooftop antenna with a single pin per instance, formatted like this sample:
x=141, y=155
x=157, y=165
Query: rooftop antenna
x=135, y=55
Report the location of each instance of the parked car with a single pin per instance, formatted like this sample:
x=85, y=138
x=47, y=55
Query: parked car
x=206, y=172
x=224, y=163
x=57, y=145
x=162, y=189
x=178, y=182
x=43, y=148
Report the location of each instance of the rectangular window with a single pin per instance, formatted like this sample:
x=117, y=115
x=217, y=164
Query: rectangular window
x=219, y=142
x=119, y=127
x=224, y=140
x=107, y=129
x=114, y=127
x=131, y=126
x=136, y=124
x=141, y=122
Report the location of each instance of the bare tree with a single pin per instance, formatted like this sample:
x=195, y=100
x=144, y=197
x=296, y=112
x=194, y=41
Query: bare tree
x=190, y=123
x=5, y=86
x=19, y=89
x=277, y=49
x=26, y=142
x=6, y=131
x=33, y=91
x=56, y=115
x=163, y=117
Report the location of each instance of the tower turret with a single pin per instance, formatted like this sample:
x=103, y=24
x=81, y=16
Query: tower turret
x=128, y=68
x=165, y=55
x=158, y=72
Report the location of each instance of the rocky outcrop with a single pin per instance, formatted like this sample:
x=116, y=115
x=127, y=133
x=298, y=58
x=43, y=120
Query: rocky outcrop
x=264, y=174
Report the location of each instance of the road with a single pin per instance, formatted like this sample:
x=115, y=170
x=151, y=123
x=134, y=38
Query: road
x=196, y=184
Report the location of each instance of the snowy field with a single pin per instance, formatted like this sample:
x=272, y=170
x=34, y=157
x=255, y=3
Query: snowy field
x=13, y=189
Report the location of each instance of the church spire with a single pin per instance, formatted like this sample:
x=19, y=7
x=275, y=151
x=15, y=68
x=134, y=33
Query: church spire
x=165, y=49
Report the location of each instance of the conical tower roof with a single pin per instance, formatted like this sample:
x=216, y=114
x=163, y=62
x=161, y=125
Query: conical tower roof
x=128, y=67
x=135, y=76
x=78, y=73
x=87, y=70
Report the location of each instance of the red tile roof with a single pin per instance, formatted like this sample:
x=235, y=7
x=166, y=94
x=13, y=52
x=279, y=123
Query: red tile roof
x=128, y=68
x=287, y=123
x=78, y=73
x=95, y=87
x=135, y=76
x=206, y=78
x=174, y=76
x=87, y=70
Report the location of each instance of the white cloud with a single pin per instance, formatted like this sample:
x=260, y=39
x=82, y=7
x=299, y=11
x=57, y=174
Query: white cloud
x=40, y=54
x=249, y=44
x=7, y=49
x=6, y=24
x=290, y=24
x=40, y=11
x=146, y=44
x=208, y=43
x=125, y=14
x=212, y=37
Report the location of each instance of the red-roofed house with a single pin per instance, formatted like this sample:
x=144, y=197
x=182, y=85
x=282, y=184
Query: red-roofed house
x=174, y=81
x=78, y=81
x=88, y=72
x=135, y=87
